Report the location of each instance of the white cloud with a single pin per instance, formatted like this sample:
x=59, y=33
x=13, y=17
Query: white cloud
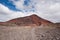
x=7, y=14
x=18, y=4
x=47, y=9
x=3, y=9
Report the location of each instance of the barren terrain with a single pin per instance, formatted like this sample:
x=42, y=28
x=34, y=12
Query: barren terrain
x=29, y=33
x=29, y=28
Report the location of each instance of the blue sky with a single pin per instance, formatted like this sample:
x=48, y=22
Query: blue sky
x=47, y=9
x=10, y=5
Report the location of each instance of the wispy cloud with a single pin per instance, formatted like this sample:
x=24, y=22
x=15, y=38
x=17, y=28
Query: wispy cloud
x=47, y=9
x=7, y=14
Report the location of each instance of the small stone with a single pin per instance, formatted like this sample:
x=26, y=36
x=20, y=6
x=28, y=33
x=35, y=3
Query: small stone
x=58, y=38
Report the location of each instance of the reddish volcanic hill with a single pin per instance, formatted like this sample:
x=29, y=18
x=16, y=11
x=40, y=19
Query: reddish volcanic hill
x=27, y=21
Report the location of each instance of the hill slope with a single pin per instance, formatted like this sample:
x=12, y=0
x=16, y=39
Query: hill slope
x=32, y=20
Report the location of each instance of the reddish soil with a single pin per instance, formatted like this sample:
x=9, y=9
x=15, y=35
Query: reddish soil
x=32, y=20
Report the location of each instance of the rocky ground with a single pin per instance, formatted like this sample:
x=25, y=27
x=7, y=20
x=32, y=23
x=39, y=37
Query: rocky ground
x=28, y=33
x=47, y=34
